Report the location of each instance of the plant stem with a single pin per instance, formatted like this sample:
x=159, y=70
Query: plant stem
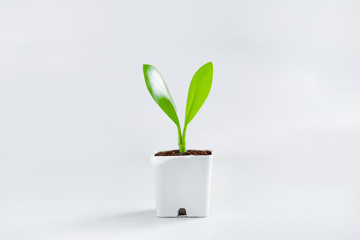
x=182, y=145
x=182, y=148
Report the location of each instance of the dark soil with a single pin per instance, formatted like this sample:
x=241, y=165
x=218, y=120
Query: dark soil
x=188, y=152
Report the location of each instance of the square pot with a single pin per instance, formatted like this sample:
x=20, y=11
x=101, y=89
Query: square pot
x=182, y=185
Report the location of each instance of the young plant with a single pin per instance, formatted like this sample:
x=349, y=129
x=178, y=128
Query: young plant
x=198, y=91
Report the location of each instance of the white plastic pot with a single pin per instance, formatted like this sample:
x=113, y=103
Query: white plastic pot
x=182, y=185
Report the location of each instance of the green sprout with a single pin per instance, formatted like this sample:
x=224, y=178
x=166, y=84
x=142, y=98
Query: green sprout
x=198, y=91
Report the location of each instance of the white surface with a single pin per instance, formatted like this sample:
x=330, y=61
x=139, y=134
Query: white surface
x=300, y=194
x=182, y=182
x=77, y=124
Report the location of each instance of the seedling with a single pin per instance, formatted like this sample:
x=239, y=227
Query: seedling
x=198, y=91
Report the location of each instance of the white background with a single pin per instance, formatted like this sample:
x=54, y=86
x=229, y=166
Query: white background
x=77, y=125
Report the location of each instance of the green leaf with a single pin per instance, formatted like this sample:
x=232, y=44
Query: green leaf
x=198, y=91
x=159, y=92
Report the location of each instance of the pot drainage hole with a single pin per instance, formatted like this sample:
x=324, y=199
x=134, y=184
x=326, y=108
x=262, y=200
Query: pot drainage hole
x=182, y=212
